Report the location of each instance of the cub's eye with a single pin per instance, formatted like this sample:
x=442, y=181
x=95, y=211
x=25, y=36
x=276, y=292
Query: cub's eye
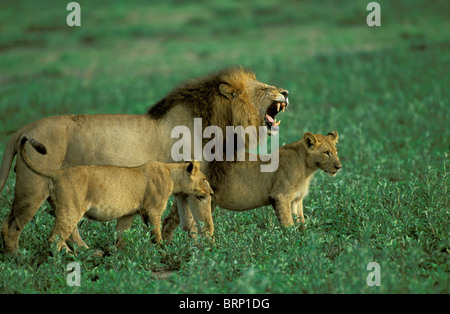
x=328, y=154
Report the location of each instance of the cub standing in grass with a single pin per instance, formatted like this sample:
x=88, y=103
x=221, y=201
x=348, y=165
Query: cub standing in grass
x=106, y=193
x=246, y=187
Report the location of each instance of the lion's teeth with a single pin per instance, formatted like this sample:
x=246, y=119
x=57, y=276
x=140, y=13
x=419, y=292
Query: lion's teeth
x=284, y=107
x=278, y=106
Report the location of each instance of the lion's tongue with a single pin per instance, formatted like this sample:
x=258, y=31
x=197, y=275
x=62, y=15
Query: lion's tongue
x=269, y=118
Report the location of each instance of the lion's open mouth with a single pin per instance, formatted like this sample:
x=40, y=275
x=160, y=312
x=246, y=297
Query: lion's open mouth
x=270, y=117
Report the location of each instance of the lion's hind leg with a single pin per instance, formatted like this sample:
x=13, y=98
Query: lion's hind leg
x=67, y=219
x=75, y=238
x=24, y=208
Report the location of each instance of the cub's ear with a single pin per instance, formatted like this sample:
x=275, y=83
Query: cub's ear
x=227, y=91
x=196, y=166
x=190, y=167
x=333, y=136
x=193, y=167
x=309, y=140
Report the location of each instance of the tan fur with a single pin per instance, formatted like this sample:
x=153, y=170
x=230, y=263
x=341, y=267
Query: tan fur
x=231, y=97
x=246, y=187
x=105, y=193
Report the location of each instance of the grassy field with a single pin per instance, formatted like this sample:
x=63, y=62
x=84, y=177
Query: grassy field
x=385, y=89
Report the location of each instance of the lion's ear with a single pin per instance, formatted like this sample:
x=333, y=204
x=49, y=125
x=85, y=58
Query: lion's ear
x=196, y=166
x=193, y=167
x=309, y=140
x=227, y=91
x=333, y=136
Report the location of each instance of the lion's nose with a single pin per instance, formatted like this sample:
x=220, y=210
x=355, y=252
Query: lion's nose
x=338, y=166
x=285, y=93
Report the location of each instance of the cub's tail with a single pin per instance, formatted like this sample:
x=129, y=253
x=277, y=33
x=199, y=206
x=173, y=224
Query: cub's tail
x=41, y=149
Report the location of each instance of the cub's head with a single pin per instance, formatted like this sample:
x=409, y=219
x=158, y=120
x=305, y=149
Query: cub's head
x=194, y=181
x=253, y=102
x=321, y=152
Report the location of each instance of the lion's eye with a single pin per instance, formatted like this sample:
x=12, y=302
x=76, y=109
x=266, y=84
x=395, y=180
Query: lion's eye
x=328, y=154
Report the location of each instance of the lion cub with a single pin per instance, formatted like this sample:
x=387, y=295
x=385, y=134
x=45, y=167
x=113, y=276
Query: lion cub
x=247, y=188
x=106, y=193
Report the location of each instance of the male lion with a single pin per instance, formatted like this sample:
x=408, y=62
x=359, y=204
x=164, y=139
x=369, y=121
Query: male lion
x=105, y=193
x=246, y=187
x=231, y=97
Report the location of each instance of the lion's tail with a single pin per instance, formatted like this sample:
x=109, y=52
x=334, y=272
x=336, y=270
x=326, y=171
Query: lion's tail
x=41, y=149
x=8, y=157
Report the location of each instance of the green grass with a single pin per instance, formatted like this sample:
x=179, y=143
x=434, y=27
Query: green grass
x=384, y=89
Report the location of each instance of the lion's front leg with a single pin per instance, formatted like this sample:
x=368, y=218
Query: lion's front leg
x=297, y=210
x=170, y=223
x=282, y=207
x=201, y=209
x=151, y=215
x=153, y=218
x=186, y=218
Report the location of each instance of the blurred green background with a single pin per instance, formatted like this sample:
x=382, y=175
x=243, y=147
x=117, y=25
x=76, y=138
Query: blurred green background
x=385, y=89
x=128, y=54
